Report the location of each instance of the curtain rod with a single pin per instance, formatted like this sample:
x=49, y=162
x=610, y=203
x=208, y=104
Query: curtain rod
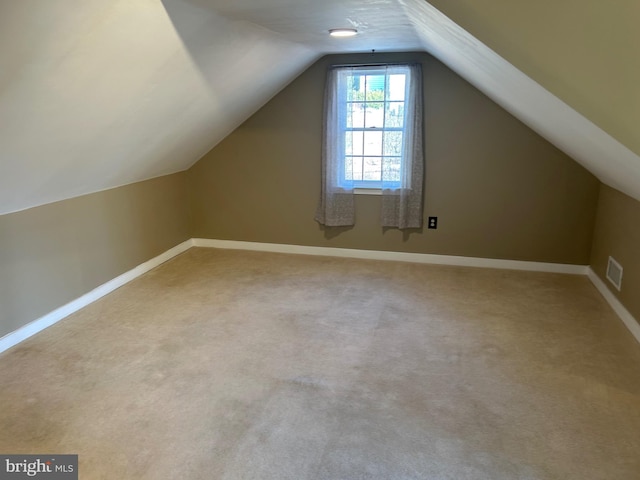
x=385, y=64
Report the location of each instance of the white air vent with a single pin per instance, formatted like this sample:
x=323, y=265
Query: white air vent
x=614, y=273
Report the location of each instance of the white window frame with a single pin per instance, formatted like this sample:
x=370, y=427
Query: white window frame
x=370, y=187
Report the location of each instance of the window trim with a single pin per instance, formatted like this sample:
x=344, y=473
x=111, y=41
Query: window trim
x=371, y=187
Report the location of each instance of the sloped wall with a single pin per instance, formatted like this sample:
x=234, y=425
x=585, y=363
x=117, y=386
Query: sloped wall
x=499, y=189
x=52, y=254
x=583, y=51
x=617, y=234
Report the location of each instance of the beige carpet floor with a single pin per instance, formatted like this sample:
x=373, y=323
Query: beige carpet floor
x=244, y=365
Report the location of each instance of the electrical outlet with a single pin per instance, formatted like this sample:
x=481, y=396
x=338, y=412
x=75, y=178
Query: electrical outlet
x=432, y=222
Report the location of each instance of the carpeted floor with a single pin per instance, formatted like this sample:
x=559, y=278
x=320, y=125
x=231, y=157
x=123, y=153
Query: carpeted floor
x=244, y=365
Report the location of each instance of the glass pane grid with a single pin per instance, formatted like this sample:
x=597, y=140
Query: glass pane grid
x=374, y=130
x=372, y=168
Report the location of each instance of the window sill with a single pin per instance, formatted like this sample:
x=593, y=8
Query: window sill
x=367, y=191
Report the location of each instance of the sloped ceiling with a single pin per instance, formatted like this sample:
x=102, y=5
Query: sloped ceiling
x=583, y=51
x=606, y=157
x=101, y=93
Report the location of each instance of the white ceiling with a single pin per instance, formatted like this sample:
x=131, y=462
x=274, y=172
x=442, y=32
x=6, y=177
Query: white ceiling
x=383, y=24
x=101, y=93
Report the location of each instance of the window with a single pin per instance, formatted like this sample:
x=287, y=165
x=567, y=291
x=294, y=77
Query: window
x=371, y=124
x=372, y=140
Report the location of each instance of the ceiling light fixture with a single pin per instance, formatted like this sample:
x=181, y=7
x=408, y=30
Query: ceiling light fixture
x=343, y=32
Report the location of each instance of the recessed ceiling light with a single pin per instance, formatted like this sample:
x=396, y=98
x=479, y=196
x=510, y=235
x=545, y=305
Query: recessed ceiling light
x=343, y=32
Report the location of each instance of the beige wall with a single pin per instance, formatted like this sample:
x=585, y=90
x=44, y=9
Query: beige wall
x=499, y=190
x=52, y=254
x=617, y=233
x=583, y=51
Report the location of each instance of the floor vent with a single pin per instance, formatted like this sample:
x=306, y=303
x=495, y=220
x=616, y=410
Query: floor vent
x=614, y=273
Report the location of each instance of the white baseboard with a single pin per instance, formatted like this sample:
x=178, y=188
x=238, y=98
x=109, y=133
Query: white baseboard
x=621, y=311
x=624, y=314
x=17, y=336
x=394, y=256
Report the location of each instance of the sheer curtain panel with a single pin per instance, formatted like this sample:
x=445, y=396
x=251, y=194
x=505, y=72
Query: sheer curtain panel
x=402, y=207
x=336, y=207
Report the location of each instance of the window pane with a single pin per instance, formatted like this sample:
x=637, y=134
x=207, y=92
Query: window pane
x=395, y=91
x=372, y=168
x=354, y=143
x=392, y=143
x=358, y=143
x=355, y=115
x=348, y=168
x=391, y=169
x=349, y=114
x=354, y=87
x=348, y=143
x=375, y=115
x=374, y=88
x=353, y=167
x=394, y=116
x=373, y=143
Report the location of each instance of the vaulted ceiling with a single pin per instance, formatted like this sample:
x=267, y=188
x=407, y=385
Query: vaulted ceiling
x=101, y=93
